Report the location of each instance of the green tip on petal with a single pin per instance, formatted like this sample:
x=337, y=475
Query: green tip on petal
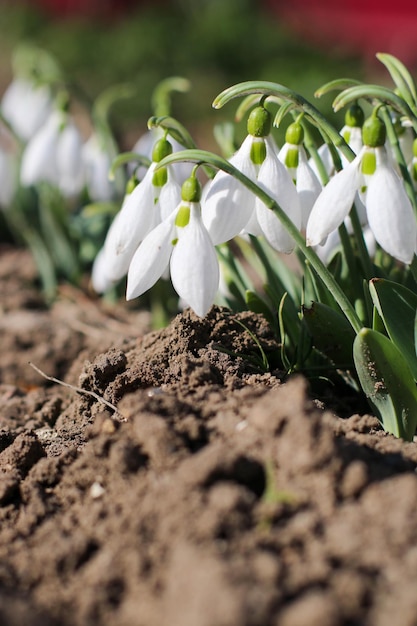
x=354, y=116
x=160, y=177
x=294, y=134
x=258, y=151
x=415, y=147
x=183, y=216
x=191, y=190
x=368, y=165
x=292, y=158
x=161, y=149
x=259, y=122
x=374, y=132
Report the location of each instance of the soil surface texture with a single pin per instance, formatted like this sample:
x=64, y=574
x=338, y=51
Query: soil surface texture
x=173, y=482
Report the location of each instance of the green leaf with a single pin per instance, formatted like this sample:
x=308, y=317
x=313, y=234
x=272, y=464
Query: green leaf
x=387, y=381
x=401, y=77
x=331, y=332
x=175, y=129
x=397, y=308
x=338, y=84
x=371, y=93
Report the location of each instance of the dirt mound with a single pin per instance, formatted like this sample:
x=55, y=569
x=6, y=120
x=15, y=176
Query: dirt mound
x=214, y=493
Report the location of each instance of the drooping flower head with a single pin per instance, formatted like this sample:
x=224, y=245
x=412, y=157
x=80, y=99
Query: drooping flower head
x=294, y=157
x=388, y=209
x=229, y=208
x=181, y=242
x=53, y=154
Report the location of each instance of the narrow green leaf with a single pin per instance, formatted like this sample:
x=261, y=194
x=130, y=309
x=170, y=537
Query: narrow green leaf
x=401, y=77
x=175, y=129
x=370, y=93
x=338, y=84
x=387, y=381
x=283, y=110
x=397, y=308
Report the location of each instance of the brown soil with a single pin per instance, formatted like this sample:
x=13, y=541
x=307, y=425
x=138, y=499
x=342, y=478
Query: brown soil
x=215, y=495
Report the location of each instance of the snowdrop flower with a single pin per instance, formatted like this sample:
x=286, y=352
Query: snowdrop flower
x=97, y=155
x=294, y=157
x=351, y=133
x=228, y=205
x=389, y=212
x=26, y=107
x=182, y=242
x=229, y=208
x=144, y=206
x=39, y=156
x=275, y=179
x=53, y=155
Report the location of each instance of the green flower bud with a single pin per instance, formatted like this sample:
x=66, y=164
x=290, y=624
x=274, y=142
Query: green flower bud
x=259, y=122
x=191, y=190
x=374, y=132
x=258, y=151
x=183, y=216
x=294, y=134
x=161, y=149
x=368, y=164
x=354, y=116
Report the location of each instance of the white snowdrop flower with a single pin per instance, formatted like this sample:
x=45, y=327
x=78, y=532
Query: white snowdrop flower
x=390, y=214
x=53, y=155
x=97, y=156
x=276, y=180
x=39, y=162
x=334, y=202
x=389, y=211
x=182, y=242
x=228, y=204
x=153, y=199
x=294, y=157
x=351, y=133
x=26, y=107
x=69, y=160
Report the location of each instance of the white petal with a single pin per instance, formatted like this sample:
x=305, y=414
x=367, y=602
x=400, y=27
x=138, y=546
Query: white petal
x=99, y=274
x=308, y=188
x=97, y=159
x=334, y=203
x=39, y=157
x=170, y=196
x=26, y=107
x=275, y=179
x=228, y=205
x=194, y=266
x=69, y=160
x=133, y=222
x=151, y=258
x=327, y=160
x=390, y=214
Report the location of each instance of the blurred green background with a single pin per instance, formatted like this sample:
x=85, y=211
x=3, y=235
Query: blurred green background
x=213, y=43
